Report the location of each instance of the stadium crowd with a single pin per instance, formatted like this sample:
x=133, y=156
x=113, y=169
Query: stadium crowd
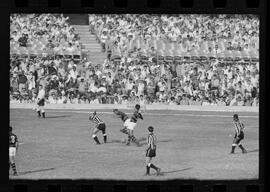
x=206, y=33
x=125, y=77
x=42, y=32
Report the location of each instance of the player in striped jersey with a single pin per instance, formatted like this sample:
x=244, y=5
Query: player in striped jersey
x=239, y=134
x=100, y=126
x=151, y=151
x=13, y=147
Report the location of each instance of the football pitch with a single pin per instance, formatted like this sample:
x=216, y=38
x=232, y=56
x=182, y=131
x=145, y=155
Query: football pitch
x=190, y=145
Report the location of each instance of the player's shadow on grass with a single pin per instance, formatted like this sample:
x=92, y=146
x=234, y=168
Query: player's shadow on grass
x=162, y=173
x=59, y=116
x=120, y=141
x=252, y=151
x=159, y=141
x=36, y=171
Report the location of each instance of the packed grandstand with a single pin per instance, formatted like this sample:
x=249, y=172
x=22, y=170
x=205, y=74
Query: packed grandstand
x=151, y=59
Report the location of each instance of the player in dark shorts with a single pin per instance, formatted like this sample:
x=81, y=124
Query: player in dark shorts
x=13, y=147
x=239, y=134
x=100, y=126
x=151, y=151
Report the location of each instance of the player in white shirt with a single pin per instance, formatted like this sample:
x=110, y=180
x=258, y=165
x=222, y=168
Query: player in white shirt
x=41, y=101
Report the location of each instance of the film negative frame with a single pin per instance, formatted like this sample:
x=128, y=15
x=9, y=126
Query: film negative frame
x=137, y=6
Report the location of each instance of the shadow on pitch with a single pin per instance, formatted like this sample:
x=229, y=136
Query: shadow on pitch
x=120, y=141
x=159, y=141
x=162, y=173
x=59, y=116
x=36, y=171
x=252, y=151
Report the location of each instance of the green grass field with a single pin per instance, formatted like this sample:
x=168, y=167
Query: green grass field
x=191, y=145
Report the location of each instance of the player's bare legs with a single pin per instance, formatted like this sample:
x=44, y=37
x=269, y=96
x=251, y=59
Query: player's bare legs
x=132, y=138
x=12, y=164
x=125, y=131
x=95, y=131
x=42, y=111
x=237, y=142
x=151, y=165
x=38, y=111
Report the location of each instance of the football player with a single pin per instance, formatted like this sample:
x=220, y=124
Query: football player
x=13, y=147
x=41, y=101
x=100, y=126
x=239, y=134
x=131, y=124
x=151, y=151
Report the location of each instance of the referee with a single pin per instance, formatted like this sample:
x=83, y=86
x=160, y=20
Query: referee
x=151, y=151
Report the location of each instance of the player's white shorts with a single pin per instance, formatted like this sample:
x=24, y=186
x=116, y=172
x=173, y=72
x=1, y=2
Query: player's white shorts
x=129, y=125
x=12, y=151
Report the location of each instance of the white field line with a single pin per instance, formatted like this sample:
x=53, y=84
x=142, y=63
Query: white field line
x=160, y=114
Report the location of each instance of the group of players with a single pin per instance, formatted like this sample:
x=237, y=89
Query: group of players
x=129, y=123
x=128, y=129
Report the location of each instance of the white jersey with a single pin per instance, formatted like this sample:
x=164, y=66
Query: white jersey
x=41, y=94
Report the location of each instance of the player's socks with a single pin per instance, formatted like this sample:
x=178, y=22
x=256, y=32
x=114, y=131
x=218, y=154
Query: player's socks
x=129, y=138
x=133, y=138
x=147, y=170
x=38, y=112
x=105, y=138
x=153, y=166
x=233, y=148
x=13, y=166
x=43, y=114
x=96, y=139
x=242, y=148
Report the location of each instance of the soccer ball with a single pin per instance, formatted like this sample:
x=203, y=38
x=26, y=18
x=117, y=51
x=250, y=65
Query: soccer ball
x=123, y=141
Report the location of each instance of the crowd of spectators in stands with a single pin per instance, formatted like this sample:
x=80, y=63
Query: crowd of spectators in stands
x=45, y=32
x=131, y=79
x=210, y=33
x=148, y=83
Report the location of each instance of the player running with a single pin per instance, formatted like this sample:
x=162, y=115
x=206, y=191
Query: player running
x=239, y=134
x=100, y=126
x=41, y=101
x=13, y=147
x=151, y=151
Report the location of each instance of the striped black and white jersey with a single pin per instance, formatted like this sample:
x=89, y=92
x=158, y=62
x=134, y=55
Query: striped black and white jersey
x=151, y=141
x=95, y=119
x=239, y=127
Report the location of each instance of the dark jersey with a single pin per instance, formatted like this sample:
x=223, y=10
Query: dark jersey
x=239, y=127
x=151, y=141
x=12, y=140
x=135, y=116
x=122, y=115
x=94, y=118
